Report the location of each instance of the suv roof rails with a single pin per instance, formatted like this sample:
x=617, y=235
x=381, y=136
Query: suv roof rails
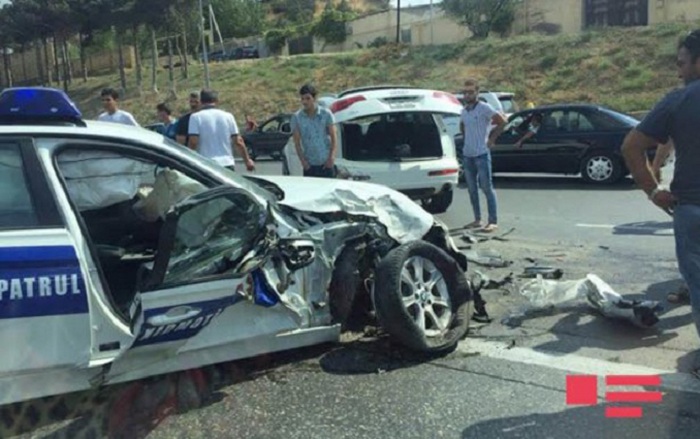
x=375, y=87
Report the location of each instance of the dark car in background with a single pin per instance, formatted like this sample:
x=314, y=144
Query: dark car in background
x=573, y=139
x=245, y=52
x=270, y=137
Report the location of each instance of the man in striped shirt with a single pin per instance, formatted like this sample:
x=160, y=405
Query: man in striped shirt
x=475, y=125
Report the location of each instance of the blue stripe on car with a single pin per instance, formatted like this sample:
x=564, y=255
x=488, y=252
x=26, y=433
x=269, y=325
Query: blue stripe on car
x=41, y=281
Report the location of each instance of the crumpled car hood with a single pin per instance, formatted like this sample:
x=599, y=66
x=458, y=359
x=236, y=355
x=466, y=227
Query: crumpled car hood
x=404, y=219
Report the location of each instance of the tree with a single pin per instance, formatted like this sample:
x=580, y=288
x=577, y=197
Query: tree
x=482, y=16
x=156, y=15
x=331, y=27
x=239, y=18
x=275, y=39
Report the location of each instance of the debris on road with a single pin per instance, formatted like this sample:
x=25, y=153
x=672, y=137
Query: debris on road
x=474, y=237
x=487, y=260
x=604, y=247
x=545, y=272
x=468, y=238
x=482, y=281
x=682, y=295
x=592, y=291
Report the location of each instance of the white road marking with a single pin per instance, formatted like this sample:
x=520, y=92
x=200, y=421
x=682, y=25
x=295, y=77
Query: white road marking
x=596, y=226
x=670, y=379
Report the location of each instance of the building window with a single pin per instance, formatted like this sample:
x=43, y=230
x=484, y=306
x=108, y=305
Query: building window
x=600, y=13
x=406, y=36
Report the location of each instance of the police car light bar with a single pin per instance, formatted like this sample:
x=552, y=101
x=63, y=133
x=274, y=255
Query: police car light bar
x=38, y=106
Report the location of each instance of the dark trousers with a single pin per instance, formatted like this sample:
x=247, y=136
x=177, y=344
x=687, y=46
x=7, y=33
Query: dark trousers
x=320, y=171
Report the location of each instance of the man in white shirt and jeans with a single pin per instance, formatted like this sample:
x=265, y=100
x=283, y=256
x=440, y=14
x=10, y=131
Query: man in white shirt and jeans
x=476, y=119
x=110, y=98
x=213, y=131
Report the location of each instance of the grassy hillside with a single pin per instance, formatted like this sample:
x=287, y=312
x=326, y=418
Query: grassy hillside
x=628, y=69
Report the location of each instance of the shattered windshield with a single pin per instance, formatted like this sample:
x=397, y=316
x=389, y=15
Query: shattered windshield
x=212, y=237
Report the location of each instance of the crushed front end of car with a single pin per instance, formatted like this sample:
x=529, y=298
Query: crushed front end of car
x=376, y=254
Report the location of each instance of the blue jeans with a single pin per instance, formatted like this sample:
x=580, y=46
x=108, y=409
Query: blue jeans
x=686, y=225
x=477, y=172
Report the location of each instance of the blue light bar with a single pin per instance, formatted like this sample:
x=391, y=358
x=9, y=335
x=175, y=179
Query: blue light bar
x=37, y=105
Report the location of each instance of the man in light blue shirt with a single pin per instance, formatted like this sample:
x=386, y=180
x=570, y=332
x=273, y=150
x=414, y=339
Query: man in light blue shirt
x=313, y=130
x=476, y=120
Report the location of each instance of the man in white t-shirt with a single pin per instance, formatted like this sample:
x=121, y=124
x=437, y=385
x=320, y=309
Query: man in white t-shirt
x=110, y=98
x=212, y=132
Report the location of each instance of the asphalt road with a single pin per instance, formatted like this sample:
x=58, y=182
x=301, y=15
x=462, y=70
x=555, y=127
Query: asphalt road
x=363, y=391
x=502, y=382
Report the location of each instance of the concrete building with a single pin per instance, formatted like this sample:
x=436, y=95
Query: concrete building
x=572, y=16
x=419, y=26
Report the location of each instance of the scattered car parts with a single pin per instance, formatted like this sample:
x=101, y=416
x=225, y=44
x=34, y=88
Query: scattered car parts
x=591, y=292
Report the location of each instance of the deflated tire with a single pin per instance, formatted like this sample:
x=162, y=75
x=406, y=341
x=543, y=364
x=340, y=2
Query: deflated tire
x=422, y=297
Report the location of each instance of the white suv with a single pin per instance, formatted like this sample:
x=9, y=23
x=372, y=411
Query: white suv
x=394, y=136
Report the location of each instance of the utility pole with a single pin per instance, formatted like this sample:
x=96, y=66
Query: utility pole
x=398, y=21
x=205, y=55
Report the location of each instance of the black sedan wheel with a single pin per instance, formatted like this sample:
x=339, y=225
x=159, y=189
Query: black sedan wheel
x=422, y=297
x=601, y=168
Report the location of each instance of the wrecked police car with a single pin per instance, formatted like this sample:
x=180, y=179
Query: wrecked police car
x=125, y=255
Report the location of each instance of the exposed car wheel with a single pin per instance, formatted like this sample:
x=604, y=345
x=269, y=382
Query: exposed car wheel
x=422, y=297
x=344, y=285
x=601, y=168
x=439, y=203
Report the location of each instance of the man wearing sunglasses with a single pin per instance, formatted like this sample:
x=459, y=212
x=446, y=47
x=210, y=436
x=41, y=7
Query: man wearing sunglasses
x=677, y=118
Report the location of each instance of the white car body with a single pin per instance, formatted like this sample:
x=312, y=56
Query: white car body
x=425, y=177
x=66, y=313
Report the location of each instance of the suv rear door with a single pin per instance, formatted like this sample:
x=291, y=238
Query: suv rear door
x=44, y=282
x=398, y=139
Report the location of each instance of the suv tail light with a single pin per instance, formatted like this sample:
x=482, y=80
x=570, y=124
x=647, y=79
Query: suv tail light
x=344, y=104
x=443, y=172
x=447, y=96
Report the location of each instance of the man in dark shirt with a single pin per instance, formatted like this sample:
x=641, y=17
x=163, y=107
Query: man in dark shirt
x=676, y=117
x=183, y=124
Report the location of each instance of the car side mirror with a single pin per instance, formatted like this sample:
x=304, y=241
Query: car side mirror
x=297, y=253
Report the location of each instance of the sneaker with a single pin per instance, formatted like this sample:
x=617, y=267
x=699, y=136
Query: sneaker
x=490, y=228
x=474, y=225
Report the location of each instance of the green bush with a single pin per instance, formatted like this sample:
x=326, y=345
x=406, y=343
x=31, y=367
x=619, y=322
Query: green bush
x=378, y=42
x=276, y=39
x=549, y=61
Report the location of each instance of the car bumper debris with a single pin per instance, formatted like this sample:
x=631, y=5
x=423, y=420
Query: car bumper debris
x=591, y=292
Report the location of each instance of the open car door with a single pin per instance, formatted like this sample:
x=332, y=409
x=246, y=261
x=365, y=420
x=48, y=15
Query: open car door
x=208, y=244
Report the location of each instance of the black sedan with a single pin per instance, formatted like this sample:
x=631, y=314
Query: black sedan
x=571, y=139
x=270, y=137
x=245, y=52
